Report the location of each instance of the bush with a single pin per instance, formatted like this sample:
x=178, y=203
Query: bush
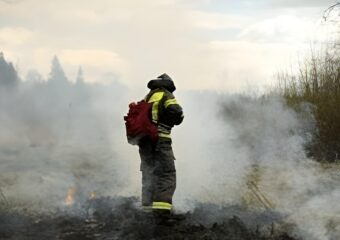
x=318, y=82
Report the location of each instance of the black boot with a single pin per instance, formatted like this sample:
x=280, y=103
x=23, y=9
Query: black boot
x=165, y=217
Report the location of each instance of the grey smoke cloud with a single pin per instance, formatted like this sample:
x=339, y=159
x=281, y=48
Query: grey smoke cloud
x=230, y=134
x=56, y=135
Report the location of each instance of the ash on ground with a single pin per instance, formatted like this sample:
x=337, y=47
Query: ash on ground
x=118, y=218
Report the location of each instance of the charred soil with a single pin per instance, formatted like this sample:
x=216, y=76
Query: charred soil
x=119, y=218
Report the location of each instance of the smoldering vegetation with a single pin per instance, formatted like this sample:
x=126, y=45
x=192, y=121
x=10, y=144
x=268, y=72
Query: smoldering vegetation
x=257, y=158
x=57, y=135
x=118, y=218
x=65, y=162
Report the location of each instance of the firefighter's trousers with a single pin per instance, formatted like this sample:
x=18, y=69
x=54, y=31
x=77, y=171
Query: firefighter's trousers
x=158, y=173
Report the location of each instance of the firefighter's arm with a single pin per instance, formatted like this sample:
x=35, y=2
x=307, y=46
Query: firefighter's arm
x=173, y=112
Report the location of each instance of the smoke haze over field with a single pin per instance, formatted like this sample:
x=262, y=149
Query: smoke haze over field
x=57, y=135
x=62, y=131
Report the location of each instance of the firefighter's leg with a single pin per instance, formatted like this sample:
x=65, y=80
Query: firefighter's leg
x=147, y=167
x=165, y=176
x=148, y=186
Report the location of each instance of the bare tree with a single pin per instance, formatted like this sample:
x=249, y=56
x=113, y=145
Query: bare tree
x=329, y=10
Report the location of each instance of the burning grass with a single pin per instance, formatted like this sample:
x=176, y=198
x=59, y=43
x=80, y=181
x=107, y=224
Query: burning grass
x=119, y=218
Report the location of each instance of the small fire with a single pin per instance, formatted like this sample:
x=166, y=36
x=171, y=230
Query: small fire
x=92, y=195
x=69, y=199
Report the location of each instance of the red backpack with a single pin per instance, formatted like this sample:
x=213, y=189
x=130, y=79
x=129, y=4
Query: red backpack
x=138, y=123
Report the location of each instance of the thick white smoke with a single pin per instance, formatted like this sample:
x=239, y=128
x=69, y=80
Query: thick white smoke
x=228, y=141
x=56, y=135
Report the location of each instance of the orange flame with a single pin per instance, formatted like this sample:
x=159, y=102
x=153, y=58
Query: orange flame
x=69, y=199
x=92, y=195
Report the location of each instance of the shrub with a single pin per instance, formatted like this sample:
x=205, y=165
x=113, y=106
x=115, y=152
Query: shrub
x=317, y=82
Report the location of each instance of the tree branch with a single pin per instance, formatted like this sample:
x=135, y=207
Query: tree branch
x=328, y=11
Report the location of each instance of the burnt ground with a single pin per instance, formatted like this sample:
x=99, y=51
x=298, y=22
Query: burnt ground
x=119, y=218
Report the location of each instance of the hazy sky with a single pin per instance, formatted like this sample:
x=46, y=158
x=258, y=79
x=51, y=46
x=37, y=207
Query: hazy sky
x=215, y=44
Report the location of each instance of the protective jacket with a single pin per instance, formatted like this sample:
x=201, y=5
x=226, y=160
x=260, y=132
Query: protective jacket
x=166, y=112
x=157, y=159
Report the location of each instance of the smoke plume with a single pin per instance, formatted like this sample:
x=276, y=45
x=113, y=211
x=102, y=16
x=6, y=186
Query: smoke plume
x=229, y=143
x=57, y=135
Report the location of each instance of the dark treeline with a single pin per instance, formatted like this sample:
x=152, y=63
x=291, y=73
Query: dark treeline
x=44, y=104
x=8, y=75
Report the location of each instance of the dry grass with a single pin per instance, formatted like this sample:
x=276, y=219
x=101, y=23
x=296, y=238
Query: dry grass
x=317, y=82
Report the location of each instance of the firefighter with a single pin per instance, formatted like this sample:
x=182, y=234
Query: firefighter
x=157, y=159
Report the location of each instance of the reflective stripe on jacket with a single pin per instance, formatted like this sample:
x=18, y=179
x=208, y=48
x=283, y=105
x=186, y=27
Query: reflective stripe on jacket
x=165, y=111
